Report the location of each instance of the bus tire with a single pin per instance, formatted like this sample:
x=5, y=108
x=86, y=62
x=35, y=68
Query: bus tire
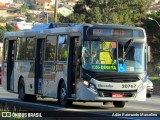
x=119, y=104
x=21, y=91
x=22, y=95
x=62, y=99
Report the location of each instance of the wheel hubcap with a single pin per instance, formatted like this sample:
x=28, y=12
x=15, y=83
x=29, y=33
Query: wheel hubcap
x=63, y=94
x=21, y=92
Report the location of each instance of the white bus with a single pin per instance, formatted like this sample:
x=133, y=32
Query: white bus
x=76, y=62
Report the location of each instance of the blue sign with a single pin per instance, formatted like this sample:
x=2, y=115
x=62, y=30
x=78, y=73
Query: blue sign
x=121, y=67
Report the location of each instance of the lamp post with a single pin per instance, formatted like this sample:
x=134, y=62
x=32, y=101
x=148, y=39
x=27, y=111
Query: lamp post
x=155, y=21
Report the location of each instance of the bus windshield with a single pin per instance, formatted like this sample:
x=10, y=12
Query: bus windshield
x=113, y=56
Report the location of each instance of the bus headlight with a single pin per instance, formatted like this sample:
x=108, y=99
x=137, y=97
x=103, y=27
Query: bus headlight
x=85, y=82
x=89, y=85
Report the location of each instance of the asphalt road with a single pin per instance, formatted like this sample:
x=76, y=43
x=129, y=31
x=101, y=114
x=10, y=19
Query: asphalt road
x=48, y=107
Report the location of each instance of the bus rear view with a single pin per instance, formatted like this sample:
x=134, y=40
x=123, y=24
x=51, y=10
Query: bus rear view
x=114, y=64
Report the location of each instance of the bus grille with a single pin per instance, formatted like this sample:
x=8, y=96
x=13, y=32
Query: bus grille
x=108, y=93
x=121, y=80
x=117, y=78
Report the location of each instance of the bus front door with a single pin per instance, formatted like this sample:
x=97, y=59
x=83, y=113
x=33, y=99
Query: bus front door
x=74, y=68
x=10, y=65
x=39, y=66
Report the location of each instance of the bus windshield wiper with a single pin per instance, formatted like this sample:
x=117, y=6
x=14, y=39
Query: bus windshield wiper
x=127, y=50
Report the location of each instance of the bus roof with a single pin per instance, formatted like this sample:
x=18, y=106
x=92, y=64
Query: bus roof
x=50, y=28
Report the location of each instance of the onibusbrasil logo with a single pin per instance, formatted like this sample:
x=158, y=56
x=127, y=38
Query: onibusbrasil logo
x=21, y=115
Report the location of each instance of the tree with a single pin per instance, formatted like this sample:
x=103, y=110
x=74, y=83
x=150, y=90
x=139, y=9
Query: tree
x=109, y=11
x=2, y=31
x=24, y=8
x=29, y=16
x=10, y=28
x=153, y=37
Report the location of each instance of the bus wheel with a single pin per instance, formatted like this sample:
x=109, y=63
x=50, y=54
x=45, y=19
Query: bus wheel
x=21, y=91
x=119, y=104
x=63, y=96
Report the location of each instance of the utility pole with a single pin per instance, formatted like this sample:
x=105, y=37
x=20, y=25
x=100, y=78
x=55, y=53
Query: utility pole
x=55, y=11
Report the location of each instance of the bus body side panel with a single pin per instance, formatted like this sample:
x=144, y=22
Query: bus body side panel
x=28, y=74
x=18, y=71
x=51, y=79
x=24, y=69
x=54, y=69
x=4, y=75
x=48, y=79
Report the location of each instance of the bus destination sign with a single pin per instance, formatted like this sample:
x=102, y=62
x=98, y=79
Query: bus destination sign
x=117, y=32
x=104, y=67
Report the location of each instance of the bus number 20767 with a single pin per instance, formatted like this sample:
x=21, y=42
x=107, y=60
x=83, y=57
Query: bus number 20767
x=128, y=85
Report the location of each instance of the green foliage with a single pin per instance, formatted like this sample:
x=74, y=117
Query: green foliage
x=153, y=35
x=153, y=39
x=7, y=108
x=2, y=31
x=109, y=11
x=24, y=8
x=29, y=16
x=10, y=28
x=2, y=20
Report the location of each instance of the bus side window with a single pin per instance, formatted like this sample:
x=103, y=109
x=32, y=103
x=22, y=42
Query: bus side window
x=21, y=48
x=30, y=50
x=62, y=48
x=6, y=50
x=51, y=43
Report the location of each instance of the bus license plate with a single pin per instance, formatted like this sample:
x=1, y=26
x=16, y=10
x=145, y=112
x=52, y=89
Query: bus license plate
x=115, y=95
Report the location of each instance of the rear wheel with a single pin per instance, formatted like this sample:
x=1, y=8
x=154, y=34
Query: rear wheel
x=22, y=95
x=21, y=91
x=119, y=104
x=63, y=96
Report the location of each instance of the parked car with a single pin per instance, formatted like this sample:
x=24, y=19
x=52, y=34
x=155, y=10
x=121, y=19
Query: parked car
x=149, y=88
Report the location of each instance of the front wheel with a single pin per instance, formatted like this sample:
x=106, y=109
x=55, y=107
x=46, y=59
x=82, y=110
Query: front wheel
x=63, y=96
x=119, y=104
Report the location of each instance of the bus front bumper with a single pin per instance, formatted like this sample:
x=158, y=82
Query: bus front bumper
x=85, y=93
